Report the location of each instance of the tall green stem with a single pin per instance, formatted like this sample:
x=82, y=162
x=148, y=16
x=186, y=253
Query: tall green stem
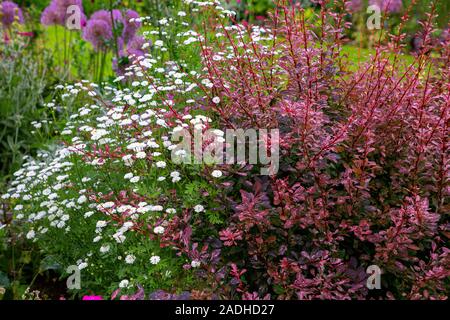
x=65, y=48
x=57, y=45
x=102, y=65
x=116, y=46
x=69, y=53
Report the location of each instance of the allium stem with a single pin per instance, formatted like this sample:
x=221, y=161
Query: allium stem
x=116, y=47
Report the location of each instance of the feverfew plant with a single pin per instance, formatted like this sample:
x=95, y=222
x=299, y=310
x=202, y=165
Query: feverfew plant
x=106, y=200
x=110, y=199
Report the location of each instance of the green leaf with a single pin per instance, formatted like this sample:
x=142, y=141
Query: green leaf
x=25, y=257
x=4, y=280
x=214, y=217
x=50, y=263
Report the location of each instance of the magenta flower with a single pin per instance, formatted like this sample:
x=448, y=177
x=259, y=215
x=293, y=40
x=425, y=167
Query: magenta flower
x=98, y=33
x=92, y=298
x=9, y=12
x=389, y=6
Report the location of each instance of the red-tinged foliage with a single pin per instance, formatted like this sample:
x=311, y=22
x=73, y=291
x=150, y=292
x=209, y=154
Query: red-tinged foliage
x=364, y=161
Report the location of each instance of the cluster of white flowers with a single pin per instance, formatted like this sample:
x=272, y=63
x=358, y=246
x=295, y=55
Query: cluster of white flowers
x=115, y=155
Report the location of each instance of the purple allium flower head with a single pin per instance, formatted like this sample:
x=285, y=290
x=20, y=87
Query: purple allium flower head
x=389, y=6
x=130, y=27
x=102, y=20
x=135, y=46
x=120, y=45
x=98, y=33
x=50, y=16
x=106, y=17
x=354, y=5
x=63, y=6
x=56, y=13
x=9, y=12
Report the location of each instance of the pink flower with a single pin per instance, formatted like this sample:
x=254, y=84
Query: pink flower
x=26, y=34
x=92, y=298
